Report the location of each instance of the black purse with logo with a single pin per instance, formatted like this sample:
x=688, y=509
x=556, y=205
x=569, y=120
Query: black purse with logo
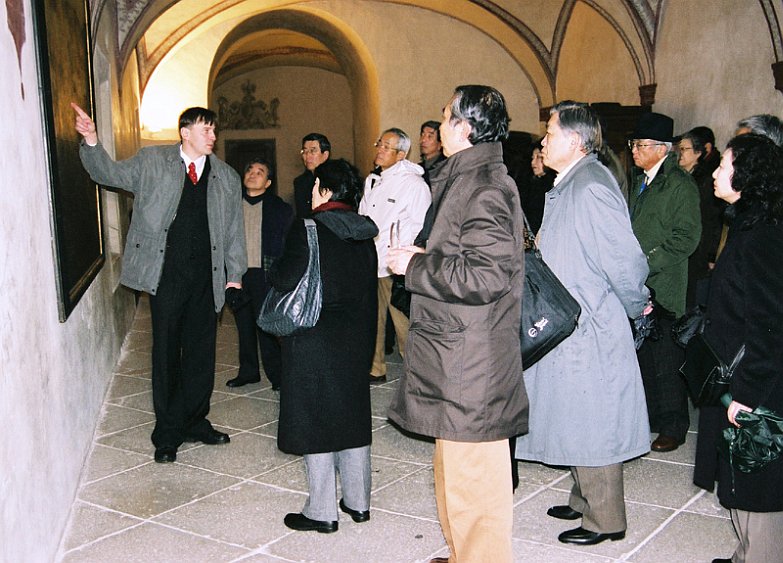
x=549, y=312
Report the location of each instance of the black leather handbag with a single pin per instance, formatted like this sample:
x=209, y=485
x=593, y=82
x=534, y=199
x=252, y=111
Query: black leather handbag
x=706, y=375
x=284, y=314
x=549, y=312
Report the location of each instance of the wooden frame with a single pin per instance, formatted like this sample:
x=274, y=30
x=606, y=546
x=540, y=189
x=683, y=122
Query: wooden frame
x=62, y=39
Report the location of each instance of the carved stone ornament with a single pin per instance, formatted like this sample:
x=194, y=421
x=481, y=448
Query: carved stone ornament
x=248, y=113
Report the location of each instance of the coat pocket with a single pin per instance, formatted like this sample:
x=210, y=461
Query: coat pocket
x=434, y=354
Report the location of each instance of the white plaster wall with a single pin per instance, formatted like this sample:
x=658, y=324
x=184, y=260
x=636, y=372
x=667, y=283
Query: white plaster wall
x=712, y=65
x=53, y=376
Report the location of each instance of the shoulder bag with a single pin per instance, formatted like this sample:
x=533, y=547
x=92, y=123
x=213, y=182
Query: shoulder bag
x=706, y=375
x=549, y=312
x=285, y=314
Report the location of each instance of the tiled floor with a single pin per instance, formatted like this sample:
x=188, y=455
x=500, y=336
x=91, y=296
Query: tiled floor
x=226, y=503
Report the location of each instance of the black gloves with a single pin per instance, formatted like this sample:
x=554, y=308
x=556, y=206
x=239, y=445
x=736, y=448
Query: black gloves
x=236, y=298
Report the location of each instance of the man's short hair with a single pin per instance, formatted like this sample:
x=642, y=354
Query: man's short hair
x=484, y=109
x=579, y=118
x=764, y=124
x=403, y=141
x=323, y=142
x=191, y=116
x=432, y=125
x=263, y=161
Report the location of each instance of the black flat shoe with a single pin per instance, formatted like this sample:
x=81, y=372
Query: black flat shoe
x=239, y=382
x=580, y=536
x=165, y=455
x=377, y=380
x=563, y=512
x=721, y=560
x=301, y=523
x=210, y=437
x=358, y=516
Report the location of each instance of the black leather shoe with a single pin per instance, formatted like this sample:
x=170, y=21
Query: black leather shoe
x=356, y=515
x=376, y=380
x=721, y=560
x=665, y=444
x=301, y=523
x=165, y=455
x=564, y=512
x=580, y=536
x=239, y=382
x=211, y=437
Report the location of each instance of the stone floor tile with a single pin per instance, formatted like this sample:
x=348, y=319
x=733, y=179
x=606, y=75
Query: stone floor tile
x=105, y=461
x=154, y=543
x=154, y=488
x=390, y=442
x=243, y=413
x=115, y=418
x=413, y=494
x=122, y=386
x=88, y=523
x=246, y=456
x=139, y=401
x=136, y=439
x=689, y=537
x=661, y=483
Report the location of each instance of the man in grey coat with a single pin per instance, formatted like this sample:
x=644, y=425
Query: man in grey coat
x=587, y=405
x=463, y=369
x=186, y=248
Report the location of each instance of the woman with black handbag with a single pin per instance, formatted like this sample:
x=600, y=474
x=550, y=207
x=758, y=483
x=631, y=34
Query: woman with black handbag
x=324, y=396
x=744, y=307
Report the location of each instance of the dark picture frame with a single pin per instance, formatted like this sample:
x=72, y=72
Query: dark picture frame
x=62, y=40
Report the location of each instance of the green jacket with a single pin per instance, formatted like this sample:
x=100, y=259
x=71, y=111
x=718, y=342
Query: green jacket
x=155, y=176
x=666, y=220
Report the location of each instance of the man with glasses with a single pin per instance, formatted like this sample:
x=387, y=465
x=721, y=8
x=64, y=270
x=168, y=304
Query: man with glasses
x=666, y=219
x=316, y=150
x=396, y=197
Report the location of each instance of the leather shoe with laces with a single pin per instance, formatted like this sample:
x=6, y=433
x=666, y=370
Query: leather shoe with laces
x=580, y=536
x=301, y=523
x=439, y=560
x=165, y=455
x=665, y=444
x=358, y=516
x=563, y=512
x=210, y=437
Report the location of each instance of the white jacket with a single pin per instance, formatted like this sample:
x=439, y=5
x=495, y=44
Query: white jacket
x=399, y=193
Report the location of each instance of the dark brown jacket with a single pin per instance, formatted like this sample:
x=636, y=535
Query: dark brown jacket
x=463, y=367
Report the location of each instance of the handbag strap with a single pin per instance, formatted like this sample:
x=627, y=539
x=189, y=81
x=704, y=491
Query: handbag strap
x=530, y=238
x=312, y=244
x=737, y=359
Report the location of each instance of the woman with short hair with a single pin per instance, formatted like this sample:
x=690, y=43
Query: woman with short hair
x=744, y=307
x=324, y=396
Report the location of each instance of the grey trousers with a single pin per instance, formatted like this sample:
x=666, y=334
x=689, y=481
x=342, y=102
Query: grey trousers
x=598, y=494
x=759, y=536
x=353, y=465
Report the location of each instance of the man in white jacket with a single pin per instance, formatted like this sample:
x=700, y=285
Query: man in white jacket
x=395, y=197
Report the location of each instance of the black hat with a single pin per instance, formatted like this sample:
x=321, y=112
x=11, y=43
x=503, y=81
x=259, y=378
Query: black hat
x=655, y=126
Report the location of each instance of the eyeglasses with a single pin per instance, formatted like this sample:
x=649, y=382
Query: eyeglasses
x=638, y=145
x=683, y=149
x=384, y=146
x=312, y=151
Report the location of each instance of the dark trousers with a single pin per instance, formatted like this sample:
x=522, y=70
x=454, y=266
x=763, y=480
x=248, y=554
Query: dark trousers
x=667, y=397
x=184, y=327
x=251, y=338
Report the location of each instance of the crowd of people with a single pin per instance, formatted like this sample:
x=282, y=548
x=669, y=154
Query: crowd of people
x=434, y=252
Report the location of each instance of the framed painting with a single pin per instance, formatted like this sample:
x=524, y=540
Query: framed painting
x=62, y=40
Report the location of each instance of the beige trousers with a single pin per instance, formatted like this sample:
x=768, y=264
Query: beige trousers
x=475, y=500
x=759, y=536
x=598, y=494
x=401, y=325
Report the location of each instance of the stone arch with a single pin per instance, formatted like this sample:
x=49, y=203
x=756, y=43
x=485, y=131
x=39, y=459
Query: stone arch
x=349, y=51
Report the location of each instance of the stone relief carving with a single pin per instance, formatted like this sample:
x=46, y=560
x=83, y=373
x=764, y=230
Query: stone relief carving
x=249, y=112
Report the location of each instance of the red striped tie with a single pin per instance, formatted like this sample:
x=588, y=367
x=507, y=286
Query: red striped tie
x=192, y=173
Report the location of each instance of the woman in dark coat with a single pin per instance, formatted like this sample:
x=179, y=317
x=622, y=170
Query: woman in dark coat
x=324, y=396
x=745, y=307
